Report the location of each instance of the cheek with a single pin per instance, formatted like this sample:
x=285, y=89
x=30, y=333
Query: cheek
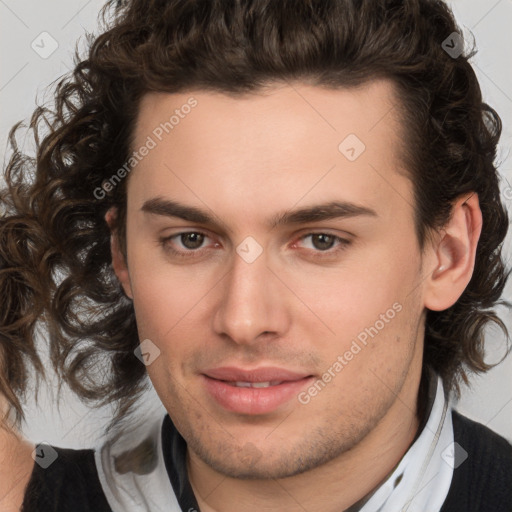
x=163, y=314
x=172, y=309
x=347, y=299
x=163, y=294
x=365, y=368
x=373, y=325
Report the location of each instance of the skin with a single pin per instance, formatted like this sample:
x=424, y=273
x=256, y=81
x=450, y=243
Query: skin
x=16, y=465
x=298, y=306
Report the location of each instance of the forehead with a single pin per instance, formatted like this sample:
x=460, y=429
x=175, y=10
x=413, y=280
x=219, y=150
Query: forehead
x=278, y=145
x=284, y=109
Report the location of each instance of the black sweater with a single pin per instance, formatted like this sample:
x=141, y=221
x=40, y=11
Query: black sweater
x=483, y=482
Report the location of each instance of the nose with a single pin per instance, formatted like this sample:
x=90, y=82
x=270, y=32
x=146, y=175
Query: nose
x=253, y=304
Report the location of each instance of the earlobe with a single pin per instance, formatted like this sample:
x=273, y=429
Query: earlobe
x=454, y=254
x=118, y=261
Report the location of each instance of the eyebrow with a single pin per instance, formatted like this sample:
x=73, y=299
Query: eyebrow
x=315, y=213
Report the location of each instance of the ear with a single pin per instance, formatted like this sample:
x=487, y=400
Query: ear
x=453, y=254
x=118, y=261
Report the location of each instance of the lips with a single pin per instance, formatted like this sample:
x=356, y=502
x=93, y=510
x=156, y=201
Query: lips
x=257, y=391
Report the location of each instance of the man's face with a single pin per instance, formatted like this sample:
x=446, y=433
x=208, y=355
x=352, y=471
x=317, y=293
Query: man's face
x=252, y=317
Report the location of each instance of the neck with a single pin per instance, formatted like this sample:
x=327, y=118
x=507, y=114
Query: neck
x=332, y=487
x=16, y=465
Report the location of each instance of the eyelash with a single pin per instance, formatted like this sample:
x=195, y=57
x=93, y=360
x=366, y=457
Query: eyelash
x=342, y=244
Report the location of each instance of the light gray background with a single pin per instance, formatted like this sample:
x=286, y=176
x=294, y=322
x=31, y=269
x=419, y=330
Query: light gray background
x=25, y=75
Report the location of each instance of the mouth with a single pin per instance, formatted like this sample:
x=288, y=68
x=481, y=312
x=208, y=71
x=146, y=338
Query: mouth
x=241, y=384
x=252, y=392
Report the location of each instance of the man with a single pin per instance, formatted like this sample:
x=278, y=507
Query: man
x=303, y=218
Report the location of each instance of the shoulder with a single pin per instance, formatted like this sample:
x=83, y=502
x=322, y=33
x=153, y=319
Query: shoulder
x=64, y=479
x=482, y=476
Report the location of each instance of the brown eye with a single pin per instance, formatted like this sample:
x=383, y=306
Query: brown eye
x=187, y=244
x=323, y=245
x=322, y=241
x=192, y=240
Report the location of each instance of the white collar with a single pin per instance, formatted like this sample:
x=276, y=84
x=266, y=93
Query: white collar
x=145, y=490
x=424, y=474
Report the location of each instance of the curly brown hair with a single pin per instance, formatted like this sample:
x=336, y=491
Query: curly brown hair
x=55, y=257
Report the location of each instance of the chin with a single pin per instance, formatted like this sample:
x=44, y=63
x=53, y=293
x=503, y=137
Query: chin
x=252, y=462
